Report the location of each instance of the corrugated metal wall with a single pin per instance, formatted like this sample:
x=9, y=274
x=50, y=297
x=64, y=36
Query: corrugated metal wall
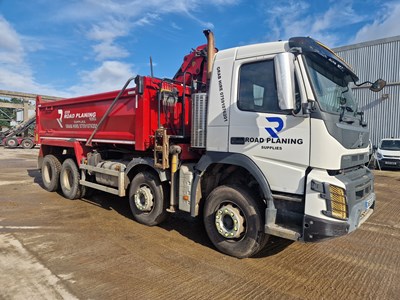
x=373, y=60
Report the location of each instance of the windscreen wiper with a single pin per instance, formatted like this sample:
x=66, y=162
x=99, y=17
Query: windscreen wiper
x=362, y=121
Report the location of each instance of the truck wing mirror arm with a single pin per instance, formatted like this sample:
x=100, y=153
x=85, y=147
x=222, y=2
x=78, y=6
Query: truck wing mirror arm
x=376, y=86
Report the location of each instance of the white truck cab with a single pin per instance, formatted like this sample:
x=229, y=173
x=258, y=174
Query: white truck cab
x=285, y=112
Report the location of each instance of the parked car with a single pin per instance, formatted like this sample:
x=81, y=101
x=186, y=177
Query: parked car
x=388, y=154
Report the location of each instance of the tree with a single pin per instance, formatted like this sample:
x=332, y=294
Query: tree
x=7, y=113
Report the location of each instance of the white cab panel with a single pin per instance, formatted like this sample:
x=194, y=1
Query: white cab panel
x=326, y=151
x=314, y=203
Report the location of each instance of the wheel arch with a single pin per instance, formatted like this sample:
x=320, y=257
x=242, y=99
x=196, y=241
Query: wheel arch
x=217, y=161
x=138, y=165
x=62, y=150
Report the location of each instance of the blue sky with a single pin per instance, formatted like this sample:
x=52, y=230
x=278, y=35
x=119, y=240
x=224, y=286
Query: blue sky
x=68, y=48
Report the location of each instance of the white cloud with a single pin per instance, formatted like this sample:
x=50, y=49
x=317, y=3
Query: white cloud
x=123, y=17
x=11, y=50
x=15, y=72
x=107, y=50
x=105, y=33
x=176, y=26
x=24, y=82
x=104, y=24
x=385, y=25
x=226, y=2
x=284, y=19
x=110, y=75
x=89, y=10
x=338, y=15
x=294, y=18
x=108, y=30
x=146, y=20
x=136, y=12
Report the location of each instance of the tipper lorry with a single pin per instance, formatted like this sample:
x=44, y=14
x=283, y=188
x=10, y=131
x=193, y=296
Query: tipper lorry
x=21, y=134
x=257, y=140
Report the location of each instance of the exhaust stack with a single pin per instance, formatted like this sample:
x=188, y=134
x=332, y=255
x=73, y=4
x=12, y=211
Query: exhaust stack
x=210, y=50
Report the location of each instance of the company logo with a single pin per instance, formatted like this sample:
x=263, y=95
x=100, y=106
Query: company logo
x=273, y=131
x=59, y=119
x=274, y=142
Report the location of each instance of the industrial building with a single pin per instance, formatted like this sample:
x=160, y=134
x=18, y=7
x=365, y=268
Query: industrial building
x=372, y=60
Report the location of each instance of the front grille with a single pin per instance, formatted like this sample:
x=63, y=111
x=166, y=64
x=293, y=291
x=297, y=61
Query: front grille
x=363, y=190
x=359, y=183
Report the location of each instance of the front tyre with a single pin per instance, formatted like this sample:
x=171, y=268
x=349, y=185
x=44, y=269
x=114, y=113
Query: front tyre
x=234, y=222
x=146, y=199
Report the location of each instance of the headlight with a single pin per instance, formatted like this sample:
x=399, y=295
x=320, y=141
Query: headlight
x=337, y=202
x=379, y=155
x=335, y=198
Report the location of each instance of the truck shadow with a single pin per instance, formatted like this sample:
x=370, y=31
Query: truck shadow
x=185, y=225
x=36, y=175
x=96, y=198
x=274, y=246
x=193, y=229
x=180, y=222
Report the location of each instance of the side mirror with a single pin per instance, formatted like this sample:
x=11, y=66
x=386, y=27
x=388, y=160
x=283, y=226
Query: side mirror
x=378, y=85
x=284, y=74
x=374, y=147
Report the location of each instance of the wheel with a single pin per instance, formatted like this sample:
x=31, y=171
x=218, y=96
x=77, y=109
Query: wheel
x=12, y=142
x=27, y=144
x=69, y=180
x=234, y=221
x=146, y=199
x=51, y=168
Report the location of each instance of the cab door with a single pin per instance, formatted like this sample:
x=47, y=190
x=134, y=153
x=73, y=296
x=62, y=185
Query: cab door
x=276, y=140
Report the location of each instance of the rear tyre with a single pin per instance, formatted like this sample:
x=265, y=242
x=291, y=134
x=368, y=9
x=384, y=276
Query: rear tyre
x=51, y=168
x=146, y=199
x=234, y=221
x=27, y=144
x=12, y=142
x=69, y=180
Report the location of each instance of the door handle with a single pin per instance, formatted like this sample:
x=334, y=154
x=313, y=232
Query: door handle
x=237, y=140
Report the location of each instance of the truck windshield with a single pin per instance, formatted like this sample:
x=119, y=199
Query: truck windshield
x=331, y=86
x=393, y=145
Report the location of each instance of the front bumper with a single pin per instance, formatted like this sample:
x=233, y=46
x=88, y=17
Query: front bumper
x=389, y=163
x=316, y=229
x=360, y=203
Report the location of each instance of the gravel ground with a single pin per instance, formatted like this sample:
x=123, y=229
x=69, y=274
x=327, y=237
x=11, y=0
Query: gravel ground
x=54, y=248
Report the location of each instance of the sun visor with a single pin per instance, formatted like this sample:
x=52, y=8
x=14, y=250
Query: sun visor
x=309, y=45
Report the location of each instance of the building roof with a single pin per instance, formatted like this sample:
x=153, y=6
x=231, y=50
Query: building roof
x=368, y=43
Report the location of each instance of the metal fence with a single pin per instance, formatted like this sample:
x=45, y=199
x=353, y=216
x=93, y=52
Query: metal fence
x=373, y=60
